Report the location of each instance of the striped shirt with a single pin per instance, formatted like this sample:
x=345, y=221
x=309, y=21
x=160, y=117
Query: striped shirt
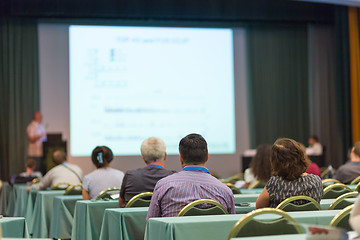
x=173, y=193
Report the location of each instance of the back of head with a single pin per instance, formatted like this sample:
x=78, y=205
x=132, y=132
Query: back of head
x=30, y=163
x=260, y=163
x=101, y=156
x=288, y=159
x=153, y=149
x=357, y=149
x=193, y=149
x=59, y=157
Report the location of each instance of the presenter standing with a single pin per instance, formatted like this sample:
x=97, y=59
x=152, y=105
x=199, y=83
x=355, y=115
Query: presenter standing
x=36, y=135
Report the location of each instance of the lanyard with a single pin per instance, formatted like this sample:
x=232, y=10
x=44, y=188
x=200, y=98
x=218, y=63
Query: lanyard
x=155, y=165
x=191, y=168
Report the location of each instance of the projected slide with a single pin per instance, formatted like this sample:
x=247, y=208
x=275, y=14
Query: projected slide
x=130, y=83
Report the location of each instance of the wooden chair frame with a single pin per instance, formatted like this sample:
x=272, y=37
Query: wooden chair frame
x=294, y=198
x=355, y=181
x=342, y=197
x=336, y=185
x=342, y=214
x=106, y=191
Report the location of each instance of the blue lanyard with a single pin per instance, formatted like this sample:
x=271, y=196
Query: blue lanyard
x=196, y=169
x=155, y=165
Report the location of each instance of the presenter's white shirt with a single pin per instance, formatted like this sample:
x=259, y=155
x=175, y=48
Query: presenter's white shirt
x=35, y=149
x=315, y=149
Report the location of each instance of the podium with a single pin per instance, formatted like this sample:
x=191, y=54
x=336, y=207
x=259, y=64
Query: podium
x=54, y=142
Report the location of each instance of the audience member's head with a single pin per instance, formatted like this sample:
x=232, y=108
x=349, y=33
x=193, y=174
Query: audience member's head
x=37, y=117
x=101, y=156
x=59, y=157
x=30, y=165
x=193, y=150
x=288, y=159
x=260, y=163
x=153, y=150
x=313, y=139
x=355, y=153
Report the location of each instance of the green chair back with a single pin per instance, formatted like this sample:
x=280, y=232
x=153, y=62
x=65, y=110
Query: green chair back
x=357, y=188
x=342, y=219
x=74, y=190
x=140, y=200
x=192, y=210
x=355, y=181
x=60, y=186
x=288, y=205
x=249, y=226
x=257, y=184
x=335, y=190
x=109, y=193
x=233, y=188
x=341, y=202
x=328, y=182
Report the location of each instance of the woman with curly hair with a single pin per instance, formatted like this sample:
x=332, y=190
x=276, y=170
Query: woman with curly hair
x=259, y=167
x=289, y=163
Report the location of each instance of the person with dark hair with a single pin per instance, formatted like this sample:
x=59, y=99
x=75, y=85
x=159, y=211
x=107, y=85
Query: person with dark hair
x=104, y=176
x=350, y=170
x=153, y=152
x=259, y=167
x=194, y=182
x=63, y=172
x=289, y=163
x=315, y=148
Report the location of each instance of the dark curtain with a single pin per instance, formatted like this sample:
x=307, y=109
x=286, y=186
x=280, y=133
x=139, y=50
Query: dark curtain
x=342, y=80
x=323, y=118
x=19, y=90
x=278, y=83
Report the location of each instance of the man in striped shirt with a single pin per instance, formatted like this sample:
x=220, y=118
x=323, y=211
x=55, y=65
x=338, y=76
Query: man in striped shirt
x=194, y=182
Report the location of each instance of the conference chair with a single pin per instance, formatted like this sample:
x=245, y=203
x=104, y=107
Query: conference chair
x=233, y=179
x=257, y=184
x=288, y=204
x=357, y=188
x=34, y=181
x=110, y=193
x=74, y=190
x=341, y=202
x=355, y=181
x=60, y=186
x=249, y=225
x=192, y=210
x=140, y=200
x=328, y=182
x=233, y=188
x=335, y=190
x=342, y=219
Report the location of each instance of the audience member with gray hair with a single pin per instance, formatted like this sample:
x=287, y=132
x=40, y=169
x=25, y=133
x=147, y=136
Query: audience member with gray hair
x=350, y=170
x=63, y=172
x=153, y=152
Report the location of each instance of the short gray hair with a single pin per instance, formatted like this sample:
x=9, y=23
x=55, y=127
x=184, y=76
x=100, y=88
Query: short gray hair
x=153, y=149
x=59, y=157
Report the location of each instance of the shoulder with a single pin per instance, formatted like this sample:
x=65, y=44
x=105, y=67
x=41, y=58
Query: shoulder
x=313, y=178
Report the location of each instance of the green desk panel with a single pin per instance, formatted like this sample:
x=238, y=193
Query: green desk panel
x=217, y=227
x=42, y=214
x=6, y=191
x=88, y=218
x=63, y=216
x=21, y=199
x=14, y=227
x=124, y=223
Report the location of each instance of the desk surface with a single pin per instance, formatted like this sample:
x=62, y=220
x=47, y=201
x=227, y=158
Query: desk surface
x=285, y=237
x=217, y=227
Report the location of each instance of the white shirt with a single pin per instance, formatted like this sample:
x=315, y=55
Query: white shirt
x=355, y=217
x=60, y=174
x=35, y=149
x=249, y=177
x=102, y=179
x=316, y=149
